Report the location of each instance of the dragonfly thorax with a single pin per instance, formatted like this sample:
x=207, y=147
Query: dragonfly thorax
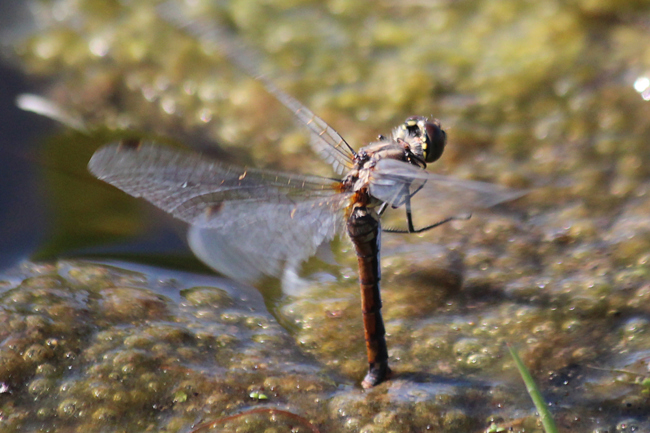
x=359, y=178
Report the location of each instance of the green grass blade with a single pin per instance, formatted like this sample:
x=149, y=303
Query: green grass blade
x=533, y=391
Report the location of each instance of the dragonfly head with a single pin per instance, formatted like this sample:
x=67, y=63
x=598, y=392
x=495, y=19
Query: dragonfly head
x=427, y=138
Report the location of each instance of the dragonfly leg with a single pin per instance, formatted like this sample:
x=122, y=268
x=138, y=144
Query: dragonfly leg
x=409, y=217
x=406, y=201
x=406, y=194
x=407, y=205
x=417, y=189
x=429, y=227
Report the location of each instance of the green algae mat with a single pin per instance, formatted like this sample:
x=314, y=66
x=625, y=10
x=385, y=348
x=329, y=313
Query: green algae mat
x=547, y=96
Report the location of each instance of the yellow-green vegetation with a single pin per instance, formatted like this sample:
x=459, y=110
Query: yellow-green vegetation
x=537, y=95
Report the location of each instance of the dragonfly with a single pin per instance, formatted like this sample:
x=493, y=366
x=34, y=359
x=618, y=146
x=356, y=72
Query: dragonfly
x=256, y=221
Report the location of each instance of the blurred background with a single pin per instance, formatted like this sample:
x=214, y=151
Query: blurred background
x=550, y=96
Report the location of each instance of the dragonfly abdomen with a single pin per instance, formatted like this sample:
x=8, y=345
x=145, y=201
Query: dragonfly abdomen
x=364, y=230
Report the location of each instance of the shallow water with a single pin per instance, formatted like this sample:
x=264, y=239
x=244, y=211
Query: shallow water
x=543, y=96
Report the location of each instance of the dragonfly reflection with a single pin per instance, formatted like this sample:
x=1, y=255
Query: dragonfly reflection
x=262, y=219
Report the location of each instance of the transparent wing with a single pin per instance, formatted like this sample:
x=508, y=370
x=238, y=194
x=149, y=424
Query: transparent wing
x=261, y=217
x=325, y=141
x=433, y=197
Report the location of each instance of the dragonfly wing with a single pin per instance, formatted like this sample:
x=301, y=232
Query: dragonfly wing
x=260, y=218
x=192, y=187
x=261, y=238
x=433, y=197
x=324, y=139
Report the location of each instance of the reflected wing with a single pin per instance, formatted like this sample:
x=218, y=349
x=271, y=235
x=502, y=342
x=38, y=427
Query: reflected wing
x=268, y=217
x=433, y=197
x=324, y=140
x=50, y=109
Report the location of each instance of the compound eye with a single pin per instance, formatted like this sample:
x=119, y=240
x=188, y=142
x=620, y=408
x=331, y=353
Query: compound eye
x=436, y=138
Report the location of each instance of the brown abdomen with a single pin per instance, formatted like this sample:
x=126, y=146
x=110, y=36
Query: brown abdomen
x=364, y=230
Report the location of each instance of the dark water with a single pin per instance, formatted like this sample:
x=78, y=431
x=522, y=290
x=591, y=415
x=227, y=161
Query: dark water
x=35, y=220
x=22, y=212
x=44, y=209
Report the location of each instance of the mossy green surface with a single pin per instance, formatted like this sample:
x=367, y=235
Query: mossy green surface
x=535, y=95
